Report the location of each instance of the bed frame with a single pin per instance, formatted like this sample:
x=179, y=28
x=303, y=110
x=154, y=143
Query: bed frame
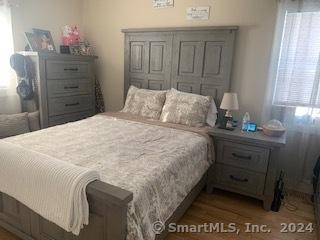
x=196, y=60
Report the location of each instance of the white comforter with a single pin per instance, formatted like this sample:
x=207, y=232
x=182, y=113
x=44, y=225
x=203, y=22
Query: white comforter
x=159, y=165
x=54, y=189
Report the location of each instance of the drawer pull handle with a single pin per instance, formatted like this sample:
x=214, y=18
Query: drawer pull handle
x=72, y=104
x=238, y=179
x=71, y=87
x=241, y=156
x=71, y=69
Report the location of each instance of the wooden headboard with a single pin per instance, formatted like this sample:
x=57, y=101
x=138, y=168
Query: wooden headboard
x=194, y=59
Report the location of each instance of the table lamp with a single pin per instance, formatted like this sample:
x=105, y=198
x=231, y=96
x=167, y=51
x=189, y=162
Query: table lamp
x=229, y=103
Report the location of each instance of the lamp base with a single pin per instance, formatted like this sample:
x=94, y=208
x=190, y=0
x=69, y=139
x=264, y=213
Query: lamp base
x=226, y=123
x=226, y=128
x=228, y=114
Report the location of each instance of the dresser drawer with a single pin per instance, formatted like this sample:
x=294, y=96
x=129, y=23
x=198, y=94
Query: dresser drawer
x=240, y=179
x=69, y=87
x=57, y=120
x=63, y=105
x=67, y=69
x=243, y=156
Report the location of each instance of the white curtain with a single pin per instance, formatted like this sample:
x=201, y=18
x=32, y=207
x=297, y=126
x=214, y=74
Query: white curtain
x=9, y=100
x=294, y=89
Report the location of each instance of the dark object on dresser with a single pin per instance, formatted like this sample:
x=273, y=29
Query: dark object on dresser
x=278, y=194
x=64, y=49
x=25, y=74
x=246, y=163
x=65, y=87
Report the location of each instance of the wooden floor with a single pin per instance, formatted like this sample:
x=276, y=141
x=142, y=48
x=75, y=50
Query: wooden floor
x=223, y=207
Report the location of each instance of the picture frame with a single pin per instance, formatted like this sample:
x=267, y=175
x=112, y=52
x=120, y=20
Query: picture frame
x=32, y=41
x=44, y=40
x=163, y=4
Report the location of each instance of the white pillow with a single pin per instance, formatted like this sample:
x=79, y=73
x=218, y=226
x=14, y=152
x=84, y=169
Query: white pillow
x=212, y=114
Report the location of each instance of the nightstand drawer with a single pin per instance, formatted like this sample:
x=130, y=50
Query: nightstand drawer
x=240, y=179
x=243, y=156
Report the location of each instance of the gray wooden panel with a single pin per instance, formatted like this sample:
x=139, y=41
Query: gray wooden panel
x=137, y=57
x=243, y=156
x=240, y=179
x=157, y=50
x=63, y=69
x=202, y=62
x=63, y=105
x=212, y=59
x=69, y=87
x=148, y=60
x=14, y=213
x=190, y=62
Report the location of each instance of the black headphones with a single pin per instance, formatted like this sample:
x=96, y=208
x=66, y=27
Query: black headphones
x=24, y=70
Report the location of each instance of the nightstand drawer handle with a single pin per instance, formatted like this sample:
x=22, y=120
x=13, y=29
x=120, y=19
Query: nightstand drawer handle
x=241, y=156
x=238, y=179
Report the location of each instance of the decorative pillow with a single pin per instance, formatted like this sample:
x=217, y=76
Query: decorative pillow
x=34, y=121
x=212, y=114
x=13, y=124
x=185, y=108
x=144, y=102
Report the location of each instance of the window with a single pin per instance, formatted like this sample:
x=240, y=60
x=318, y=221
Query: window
x=6, y=46
x=298, y=74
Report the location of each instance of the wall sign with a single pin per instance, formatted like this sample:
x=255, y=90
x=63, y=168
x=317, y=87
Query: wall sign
x=162, y=3
x=198, y=13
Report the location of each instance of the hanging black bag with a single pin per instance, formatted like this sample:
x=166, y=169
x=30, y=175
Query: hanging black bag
x=24, y=70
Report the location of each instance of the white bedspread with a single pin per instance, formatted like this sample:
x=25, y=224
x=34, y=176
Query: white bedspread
x=159, y=165
x=54, y=189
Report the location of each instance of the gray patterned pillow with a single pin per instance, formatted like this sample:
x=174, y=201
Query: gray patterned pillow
x=145, y=103
x=185, y=108
x=13, y=124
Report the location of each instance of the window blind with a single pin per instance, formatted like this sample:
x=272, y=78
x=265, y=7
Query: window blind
x=298, y=72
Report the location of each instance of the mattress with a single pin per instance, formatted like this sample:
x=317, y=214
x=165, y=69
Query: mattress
x=159, y=164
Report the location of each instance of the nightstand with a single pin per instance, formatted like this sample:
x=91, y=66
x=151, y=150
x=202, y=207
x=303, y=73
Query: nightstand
x=246, y=163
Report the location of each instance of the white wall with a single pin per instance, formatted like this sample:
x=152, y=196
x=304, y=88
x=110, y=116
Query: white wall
x=44, y=14
x=104, y=19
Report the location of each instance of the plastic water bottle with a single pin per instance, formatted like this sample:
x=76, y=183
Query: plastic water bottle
x=245, y=121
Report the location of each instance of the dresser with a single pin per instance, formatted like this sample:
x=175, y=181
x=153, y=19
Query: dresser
x=246, y=163
x=65, y=87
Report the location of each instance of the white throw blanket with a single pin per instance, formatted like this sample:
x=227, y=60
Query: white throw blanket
x=54, y=189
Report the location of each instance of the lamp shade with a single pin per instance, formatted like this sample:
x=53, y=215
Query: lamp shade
x=230, y=101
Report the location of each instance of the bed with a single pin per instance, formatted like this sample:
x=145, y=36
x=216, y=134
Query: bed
x=154, y=170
